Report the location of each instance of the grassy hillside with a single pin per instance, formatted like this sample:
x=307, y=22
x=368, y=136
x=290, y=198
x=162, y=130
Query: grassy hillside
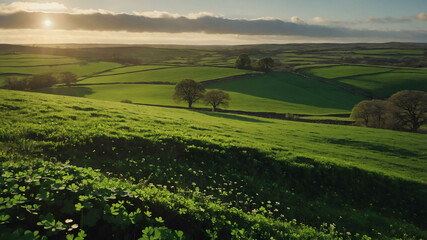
x=298, y=94
x=259, y=170
x=171, y=75
x=275, y=92
x=380, y=81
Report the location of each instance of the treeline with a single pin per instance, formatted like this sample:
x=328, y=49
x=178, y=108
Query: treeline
x=404, y=110
x=40, y=81
x=243, y=61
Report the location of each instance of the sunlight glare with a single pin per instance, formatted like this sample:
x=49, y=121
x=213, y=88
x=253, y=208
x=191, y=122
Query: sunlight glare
x=47, y=23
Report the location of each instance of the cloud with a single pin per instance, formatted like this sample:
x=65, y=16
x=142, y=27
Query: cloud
x=297, y=20
x=383, y=20
x=389, y=20
x=422, y=16
x=163, y=14
x=323, y=20
x=206, y=23
x=32, y=7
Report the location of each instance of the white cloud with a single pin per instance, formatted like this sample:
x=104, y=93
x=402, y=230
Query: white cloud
x=422, y=16
x=297, y=20
x=32, y=7
x=163, y=14
x=333, y=21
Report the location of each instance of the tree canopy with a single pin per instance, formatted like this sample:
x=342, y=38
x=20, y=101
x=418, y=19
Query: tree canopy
x=411, y=108
x=68, y=78
x=189, y=91
x=216, y=98
x=405, y=110
x=265, y=64
x=243, y=61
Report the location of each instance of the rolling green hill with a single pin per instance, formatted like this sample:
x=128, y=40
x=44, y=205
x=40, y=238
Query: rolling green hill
x=170, y=75
x=380, y=81
x=275, y=92
x=261, y=170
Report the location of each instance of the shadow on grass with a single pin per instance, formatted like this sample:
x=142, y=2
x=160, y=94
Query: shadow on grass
x=67, y=91
x=231, y=116
x=372, y=146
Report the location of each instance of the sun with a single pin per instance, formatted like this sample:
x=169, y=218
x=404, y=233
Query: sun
x=47, y=23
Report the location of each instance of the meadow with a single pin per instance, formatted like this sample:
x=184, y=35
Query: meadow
x=200, y=164
x=275, y=92
x=77, y=163
x=379, y=81
x=167, y=75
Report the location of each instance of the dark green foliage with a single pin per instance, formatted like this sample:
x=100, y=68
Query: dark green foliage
x=41, y=81
x=411, y=108
x=404, y=110
x=216, y=98
x=189, y=91
x=34, y=82
x=68, y=78
x=243, y=61
x=14, y=83
x=265, y=64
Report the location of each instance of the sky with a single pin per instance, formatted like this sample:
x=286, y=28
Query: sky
x=209, y=22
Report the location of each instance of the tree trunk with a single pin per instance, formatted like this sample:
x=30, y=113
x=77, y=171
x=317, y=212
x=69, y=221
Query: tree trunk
x=189, y=104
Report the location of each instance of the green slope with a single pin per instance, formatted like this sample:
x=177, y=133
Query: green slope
x=171, y=75
x=359, y=179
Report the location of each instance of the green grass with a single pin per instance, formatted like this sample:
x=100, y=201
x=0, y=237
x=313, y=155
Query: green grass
x=296, y=93
x=309, y=140
x=124, y=70
x=380, y=81
x=23, y=62
x=78, y=69
x=391, y=51
x=386, y=84
x=171, y=75
x=276, y=92
x=316, y=173
x=343, y=71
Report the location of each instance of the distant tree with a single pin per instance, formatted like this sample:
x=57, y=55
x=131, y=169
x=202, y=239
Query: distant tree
x=379, y=111
x=188, y=90
x=41, y=81
x=361, y=113
x=265, y=64
x=14, y=83
x=243, y=61
x=372, y=113
x=216, y=98
x=68, y=78
x=410, y=108
x=126, y=101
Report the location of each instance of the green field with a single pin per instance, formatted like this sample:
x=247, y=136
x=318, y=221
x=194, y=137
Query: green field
x=307, y=95
x=130, y=69
x=275, y=92
x=390, y=52
x=171, y=75
x=200, y=154
x=380, y=81
x=343, y=71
